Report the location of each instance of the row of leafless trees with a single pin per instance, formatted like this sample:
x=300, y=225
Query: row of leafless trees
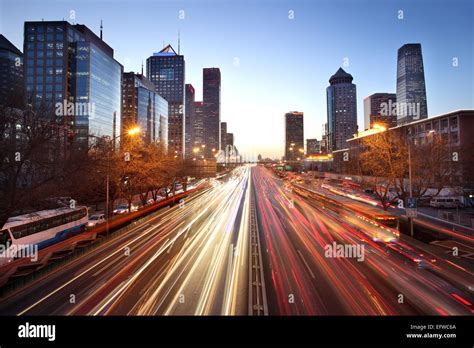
x=384, y=161
x=38, y=161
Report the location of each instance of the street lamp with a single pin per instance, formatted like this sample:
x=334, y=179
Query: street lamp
x=195, y=150
x=131, y=132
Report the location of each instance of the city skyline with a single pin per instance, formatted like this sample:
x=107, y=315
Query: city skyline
x=221, y=158
x=247, y=61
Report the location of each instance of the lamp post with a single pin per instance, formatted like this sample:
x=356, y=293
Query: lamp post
x=131, y=132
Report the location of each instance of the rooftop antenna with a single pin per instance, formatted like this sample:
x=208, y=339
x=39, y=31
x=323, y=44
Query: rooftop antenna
x=142, y=66
x=101, y=27
x=179, y=43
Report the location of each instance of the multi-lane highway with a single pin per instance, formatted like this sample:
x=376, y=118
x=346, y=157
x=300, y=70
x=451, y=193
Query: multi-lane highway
x=194, y=259
x=382, y=280
x=190, y=259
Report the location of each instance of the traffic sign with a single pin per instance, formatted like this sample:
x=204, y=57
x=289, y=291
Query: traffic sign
x=411, y=203
x=411, y=213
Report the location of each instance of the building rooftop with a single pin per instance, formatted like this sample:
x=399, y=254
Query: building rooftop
x=340, y=76
x=166, y=51
x=5, y=44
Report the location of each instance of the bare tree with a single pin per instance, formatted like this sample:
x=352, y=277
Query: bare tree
x=32, y=144
x=385, y=159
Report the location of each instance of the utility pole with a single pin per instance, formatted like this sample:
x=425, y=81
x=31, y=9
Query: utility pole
x=410, y=219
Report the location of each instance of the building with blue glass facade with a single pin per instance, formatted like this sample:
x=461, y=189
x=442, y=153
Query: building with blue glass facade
x=11, y=73
x=411, y=91
x=143, y=107
x=71, y=70
x=166, y=70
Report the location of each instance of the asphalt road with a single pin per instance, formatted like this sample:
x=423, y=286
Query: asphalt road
x=193, y=259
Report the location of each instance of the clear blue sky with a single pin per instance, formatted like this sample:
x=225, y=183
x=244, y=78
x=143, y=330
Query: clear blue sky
x=284, y=64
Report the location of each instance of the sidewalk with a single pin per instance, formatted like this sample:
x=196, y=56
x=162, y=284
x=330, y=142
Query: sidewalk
x=463, y=216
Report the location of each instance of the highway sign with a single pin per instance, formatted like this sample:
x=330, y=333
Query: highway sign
x=411, y=203
x=411, y=213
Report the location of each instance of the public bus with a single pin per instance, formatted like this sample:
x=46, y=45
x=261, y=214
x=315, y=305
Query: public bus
x=386, y=223
x=39, y=230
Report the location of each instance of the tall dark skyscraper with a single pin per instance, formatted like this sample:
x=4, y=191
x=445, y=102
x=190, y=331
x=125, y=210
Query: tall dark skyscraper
x=189, y=120
x=68, y=65
x=144, y=108
x=411, y=92
x=11, y=74
x=379, y=109
x=166, y=70
x=223, y=135
x=212, y=110
x=294, y=135
x=342, y=110
x=229, y=139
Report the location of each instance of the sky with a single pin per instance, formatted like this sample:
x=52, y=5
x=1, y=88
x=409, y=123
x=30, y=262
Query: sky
x=277, y=56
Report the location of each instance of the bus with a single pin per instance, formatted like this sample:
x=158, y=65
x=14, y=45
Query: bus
x=386, y=224
x=40, y=229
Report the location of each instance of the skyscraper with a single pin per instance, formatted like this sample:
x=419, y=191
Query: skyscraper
x=342, y=109
x=212, y=109
x=166, y=70
x=198, y=126
x=313, y=146
x=189, y=120
x=11, y=74
x=223, y=135
x=70, y=68
x=229, y=139
x=378, y=108
x=411, y=92
x=294, y=135
x=144, y=108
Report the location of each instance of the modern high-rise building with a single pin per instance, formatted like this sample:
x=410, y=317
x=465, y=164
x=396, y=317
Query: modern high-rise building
x=166, y=70
x=380, y=108
x=223, y=135
x=411, y=92
x=313, y=146
x=341, y=109
x=143, y=107
x=70, y=69
x=11, y=74
x=212, y=110
x=198, y=126
x=190, y=96
x=229, y=139
x=294, y=135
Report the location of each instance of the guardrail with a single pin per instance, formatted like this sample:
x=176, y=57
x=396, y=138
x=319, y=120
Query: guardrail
x=257, y=294
x=25, y=270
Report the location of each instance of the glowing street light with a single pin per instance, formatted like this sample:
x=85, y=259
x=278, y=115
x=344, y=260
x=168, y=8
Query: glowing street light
x=133, y=131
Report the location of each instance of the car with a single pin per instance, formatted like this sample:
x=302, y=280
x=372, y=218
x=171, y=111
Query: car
x=446, y=202
x=95, y=219
x=123, y=209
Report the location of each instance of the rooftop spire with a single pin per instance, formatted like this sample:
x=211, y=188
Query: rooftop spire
x=101, y=27
x=179, y=43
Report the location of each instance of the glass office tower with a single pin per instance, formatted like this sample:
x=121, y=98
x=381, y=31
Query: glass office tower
x=143, y=107
x=166, y=70
x=11, y=73
x=72, y=71
x=411, y=91
x=212, y=110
